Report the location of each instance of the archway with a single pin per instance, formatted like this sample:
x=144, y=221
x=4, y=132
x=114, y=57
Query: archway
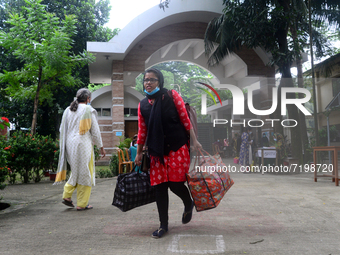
x=158, y=36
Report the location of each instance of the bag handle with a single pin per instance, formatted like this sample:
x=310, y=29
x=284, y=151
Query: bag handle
x=212, y=157
x=196, y=159
x=133, y=168
x=198, y=154
x=144, y=156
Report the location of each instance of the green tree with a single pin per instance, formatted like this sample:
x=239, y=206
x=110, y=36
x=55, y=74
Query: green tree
x=280, y=27
x=93, y=87
x=43, y=46
x=183, y=77
x=7, y=60
x=91, y=15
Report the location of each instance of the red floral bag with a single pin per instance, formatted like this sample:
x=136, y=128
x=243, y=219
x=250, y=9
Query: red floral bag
x=208, y=181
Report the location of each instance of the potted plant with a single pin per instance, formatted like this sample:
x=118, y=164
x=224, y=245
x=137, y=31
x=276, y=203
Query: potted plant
x=54, y=165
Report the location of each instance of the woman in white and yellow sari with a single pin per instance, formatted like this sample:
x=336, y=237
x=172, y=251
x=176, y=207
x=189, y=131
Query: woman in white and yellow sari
x=79, y=131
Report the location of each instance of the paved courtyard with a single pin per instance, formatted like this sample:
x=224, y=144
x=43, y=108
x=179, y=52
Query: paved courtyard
x=260, y=214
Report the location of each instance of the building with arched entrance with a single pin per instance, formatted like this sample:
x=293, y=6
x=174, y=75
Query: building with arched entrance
x=155, y=36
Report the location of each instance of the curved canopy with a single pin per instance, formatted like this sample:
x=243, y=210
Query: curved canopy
x=175, y=34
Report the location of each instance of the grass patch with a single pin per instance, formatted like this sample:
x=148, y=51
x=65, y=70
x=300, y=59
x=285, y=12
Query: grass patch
x=104, y=172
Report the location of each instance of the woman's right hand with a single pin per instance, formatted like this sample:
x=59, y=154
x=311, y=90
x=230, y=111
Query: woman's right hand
x=138, y=159
x=103, y=152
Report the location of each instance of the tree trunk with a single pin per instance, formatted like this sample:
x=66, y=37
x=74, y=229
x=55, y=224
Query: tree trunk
x=277, y=113
x=36, y=102
x=302, y=119
x=281, y=35
x=296, y=145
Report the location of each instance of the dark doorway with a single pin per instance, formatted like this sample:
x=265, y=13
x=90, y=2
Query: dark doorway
x=131, y=128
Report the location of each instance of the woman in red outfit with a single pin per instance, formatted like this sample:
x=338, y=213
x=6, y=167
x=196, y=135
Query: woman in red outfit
x=163, y=126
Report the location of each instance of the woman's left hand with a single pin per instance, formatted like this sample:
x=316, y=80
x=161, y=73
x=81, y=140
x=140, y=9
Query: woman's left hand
x=193, y=138
x=197, y=145
x=138, y=159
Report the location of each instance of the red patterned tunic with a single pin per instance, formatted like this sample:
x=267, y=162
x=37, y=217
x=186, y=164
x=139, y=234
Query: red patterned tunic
x=177, y=163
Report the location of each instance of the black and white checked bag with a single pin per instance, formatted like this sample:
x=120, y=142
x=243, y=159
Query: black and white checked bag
x=133, y=190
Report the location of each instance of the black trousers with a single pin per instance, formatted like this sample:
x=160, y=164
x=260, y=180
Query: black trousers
x=162, y=199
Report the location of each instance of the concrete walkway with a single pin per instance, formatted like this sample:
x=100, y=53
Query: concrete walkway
x=260, y=214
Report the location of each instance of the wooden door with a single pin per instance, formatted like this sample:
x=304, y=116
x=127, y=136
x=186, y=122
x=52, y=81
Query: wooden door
x=131, y=128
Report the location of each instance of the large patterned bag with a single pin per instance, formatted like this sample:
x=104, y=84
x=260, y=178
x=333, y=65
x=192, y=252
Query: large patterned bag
x=208, y=182
x=133, y=190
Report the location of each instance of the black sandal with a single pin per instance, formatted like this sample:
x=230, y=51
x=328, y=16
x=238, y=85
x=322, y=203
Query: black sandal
x=159, y=232
x=68, y=203
x=186, y=217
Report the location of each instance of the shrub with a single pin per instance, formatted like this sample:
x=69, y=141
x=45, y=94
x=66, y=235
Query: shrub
x=114, y=165
x=125, y=143
x=4, y=122
x=55, y=159
x=4, y=170
x=104, y=173
x=96, y=153
x=46, y=150
x=23, y=155
x=29, y=155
